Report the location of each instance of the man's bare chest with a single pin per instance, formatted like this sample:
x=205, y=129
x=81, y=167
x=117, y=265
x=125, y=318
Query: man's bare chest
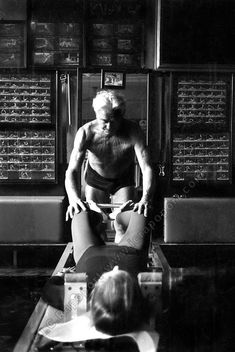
x=112, y=148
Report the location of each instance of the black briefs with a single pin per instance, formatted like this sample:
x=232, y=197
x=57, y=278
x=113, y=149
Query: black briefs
x=110, y=185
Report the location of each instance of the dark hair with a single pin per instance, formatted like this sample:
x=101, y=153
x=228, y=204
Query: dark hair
x=117, y=304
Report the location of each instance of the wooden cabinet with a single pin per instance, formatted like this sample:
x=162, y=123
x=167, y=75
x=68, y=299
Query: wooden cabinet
x=201, y=145
x=27, y=128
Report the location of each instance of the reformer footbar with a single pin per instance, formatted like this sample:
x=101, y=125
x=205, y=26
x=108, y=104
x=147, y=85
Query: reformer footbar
x=108, y=205
x=117, y=205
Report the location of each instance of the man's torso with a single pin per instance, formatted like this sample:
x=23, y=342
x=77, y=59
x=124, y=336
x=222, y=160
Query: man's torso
x=110, y=156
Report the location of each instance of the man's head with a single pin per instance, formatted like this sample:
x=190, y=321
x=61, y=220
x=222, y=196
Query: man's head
x=109, y=107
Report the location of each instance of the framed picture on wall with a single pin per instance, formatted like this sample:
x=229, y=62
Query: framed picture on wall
x=113, y=80
x=13, y=44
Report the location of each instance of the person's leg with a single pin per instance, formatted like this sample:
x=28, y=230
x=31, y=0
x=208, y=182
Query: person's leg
x=137, y=234
x=121, y=196
x=96, y=195
x=83, y=232
x=84, y=235
x=124, y=194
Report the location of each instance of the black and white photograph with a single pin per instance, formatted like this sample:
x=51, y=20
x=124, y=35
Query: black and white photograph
x=113, y=80
x=117, y=176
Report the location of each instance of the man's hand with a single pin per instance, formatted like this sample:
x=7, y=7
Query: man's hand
x=142, y=207
x=75, y=208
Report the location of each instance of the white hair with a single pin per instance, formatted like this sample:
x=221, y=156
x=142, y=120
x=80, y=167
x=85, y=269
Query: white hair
x=109, y=98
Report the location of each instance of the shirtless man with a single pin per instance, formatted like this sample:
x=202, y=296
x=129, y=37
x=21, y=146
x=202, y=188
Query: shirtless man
x=112, y=142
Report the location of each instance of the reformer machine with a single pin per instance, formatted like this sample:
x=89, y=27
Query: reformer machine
x=150, y=282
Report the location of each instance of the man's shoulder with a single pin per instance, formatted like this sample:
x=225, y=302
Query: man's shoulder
x=84, y=134
x=88, y=125
x=87, y=128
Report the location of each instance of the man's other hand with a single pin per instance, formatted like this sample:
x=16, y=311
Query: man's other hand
x=75, y=208
x=142, y=207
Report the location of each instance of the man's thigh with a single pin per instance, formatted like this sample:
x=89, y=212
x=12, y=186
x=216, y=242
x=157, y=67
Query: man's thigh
x=96, y=195
x=124, y=194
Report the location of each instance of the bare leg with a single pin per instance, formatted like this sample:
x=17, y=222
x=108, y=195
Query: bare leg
x=121, y=196
x=96, y=195
x=124, y=194
x=83, y=232
x=137, y=234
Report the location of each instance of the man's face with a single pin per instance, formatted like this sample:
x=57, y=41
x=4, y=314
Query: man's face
x=109, y=119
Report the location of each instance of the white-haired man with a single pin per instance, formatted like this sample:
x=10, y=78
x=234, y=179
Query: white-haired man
x=112, y=142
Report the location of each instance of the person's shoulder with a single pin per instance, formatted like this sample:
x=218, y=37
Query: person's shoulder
x=88, y=126
x=87, y=129
x=83, y=135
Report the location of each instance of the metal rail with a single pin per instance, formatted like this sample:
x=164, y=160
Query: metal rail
x=108, y=205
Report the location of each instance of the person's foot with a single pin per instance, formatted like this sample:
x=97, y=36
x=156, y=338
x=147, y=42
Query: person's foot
x=124, y=207
x=93, y=206
x=118, y=236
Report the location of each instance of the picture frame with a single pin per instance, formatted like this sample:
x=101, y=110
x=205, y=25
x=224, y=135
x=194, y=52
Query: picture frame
x=113, y=79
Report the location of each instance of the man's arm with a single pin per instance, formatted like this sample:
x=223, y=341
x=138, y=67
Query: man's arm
x=73, y=172
x=143, y=158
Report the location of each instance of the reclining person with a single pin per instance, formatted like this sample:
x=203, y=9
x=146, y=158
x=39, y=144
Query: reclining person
x=94, y=257
x=116, y=303
x=117, y=309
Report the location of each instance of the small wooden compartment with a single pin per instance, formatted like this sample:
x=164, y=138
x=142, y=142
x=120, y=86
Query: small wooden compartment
x=198, y=296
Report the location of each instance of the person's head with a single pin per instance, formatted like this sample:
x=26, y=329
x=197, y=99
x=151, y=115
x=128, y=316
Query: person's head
x=117, y=305
x=109, y=107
